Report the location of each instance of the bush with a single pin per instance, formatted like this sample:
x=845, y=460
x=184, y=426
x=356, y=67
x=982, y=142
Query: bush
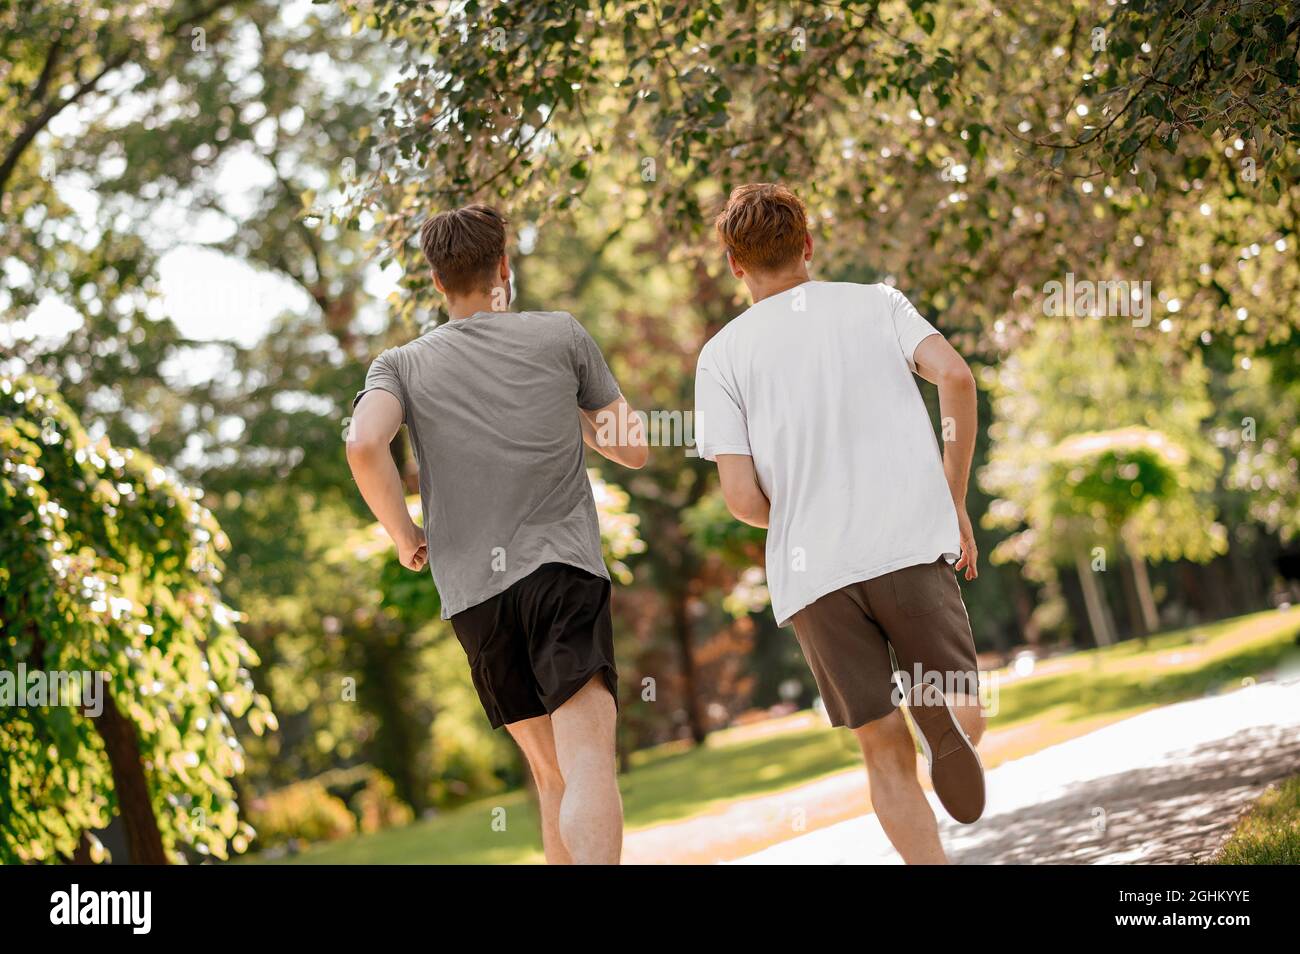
x=109, y=573
x=304, y=811
x=332, y=805
x=376, y=805
x=370, y=795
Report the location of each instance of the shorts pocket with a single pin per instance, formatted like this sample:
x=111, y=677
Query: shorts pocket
x=477, y=627
x=918, y=590
x=468, y=641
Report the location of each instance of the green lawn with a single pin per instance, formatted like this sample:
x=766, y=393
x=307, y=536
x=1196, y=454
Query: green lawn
x=673, y=782
x=1269, y=834
x=1184, y=664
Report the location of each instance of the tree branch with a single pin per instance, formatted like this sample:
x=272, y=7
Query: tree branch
x=55, y=106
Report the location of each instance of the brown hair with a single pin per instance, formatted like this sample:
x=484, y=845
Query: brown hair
x=463, y=247
x=763, y=226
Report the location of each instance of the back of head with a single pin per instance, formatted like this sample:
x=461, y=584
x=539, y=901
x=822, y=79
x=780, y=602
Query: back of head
x=464, y=247
x=763, y=227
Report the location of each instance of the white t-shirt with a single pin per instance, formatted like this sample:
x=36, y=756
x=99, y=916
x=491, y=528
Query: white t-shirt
x=816, y=385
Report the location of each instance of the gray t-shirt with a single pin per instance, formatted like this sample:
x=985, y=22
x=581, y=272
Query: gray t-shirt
x=491, y=405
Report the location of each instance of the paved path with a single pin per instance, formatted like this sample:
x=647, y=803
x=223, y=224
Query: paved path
x=1165, y=786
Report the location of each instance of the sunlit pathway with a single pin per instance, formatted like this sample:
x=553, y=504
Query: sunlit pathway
x=1162, y=787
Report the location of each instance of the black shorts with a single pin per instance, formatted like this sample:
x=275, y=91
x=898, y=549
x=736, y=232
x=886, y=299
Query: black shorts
x=532, y=646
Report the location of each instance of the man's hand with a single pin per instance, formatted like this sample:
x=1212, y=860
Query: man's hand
x=969, y=554
x=412, y=549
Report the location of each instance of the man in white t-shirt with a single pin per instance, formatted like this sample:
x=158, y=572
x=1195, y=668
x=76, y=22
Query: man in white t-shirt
x=808, y=404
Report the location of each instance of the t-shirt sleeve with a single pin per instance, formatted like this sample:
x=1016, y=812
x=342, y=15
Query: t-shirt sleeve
x=596, y=384
x=720, y=426
x=910, y=328
x=383, y=376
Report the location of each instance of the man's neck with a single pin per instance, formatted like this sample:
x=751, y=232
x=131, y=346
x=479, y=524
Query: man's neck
x=464, y=306
x=767, y=286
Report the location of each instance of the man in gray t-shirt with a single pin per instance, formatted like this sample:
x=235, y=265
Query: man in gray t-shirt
x=497, y=405
x=490, y=405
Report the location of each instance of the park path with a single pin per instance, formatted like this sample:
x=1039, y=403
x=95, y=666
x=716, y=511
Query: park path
x=733, y=829
x=1165, y=786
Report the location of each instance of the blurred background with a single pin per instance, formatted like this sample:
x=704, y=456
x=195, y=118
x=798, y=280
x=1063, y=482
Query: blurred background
x=208, y=217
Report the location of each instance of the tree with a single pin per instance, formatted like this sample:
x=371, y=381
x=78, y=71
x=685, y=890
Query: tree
x=651, y=313
x=78, y=55
x=110, y=573
x=934, y=135
x=1260, y=429
x=1112, y=476
x=948, y=149
x=1095, y=446
x=1163, y=69
x=258, y=426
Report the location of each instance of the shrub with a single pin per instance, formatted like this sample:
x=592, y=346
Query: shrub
x=304, y=811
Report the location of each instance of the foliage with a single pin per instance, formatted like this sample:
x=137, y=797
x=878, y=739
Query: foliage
x=1260, y=429
x=1116, y=472
x=333, y=805
x=111, y=566
x=939, y=145
x=714, y=529
x=304, y=811
x=958, y=145
x=1167, y=68
x=1090, y=440
x=618, y=527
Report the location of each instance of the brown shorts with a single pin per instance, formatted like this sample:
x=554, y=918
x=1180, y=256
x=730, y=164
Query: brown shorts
x=847, y=636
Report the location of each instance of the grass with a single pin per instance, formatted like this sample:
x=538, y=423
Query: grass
x=1128, y=678
x=1066, y=697
x=665, y=783
x=461, y=837
x=1268, y=834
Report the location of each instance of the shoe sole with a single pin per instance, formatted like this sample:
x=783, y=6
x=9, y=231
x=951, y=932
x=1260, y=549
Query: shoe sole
x=958, y=777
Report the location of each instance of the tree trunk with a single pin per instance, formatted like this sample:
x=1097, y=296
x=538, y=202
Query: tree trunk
x=1245, y=581
x=1024, y=605
x=681, y=629
x=388, y=658
x=1094, y=597
x=143, y=839
x=81, y=854
x=1146, y=599
x=674, y=566
x=1193, y=592
x=1220, y=588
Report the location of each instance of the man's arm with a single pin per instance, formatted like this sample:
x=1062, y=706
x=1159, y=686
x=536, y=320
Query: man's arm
x=616, y=432
x=940, y=364
x=741, y=490
x=375, y=421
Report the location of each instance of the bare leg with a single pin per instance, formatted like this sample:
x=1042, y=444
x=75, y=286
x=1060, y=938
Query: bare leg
x=591, y=812
x=537, y=740
x=970, y=716
x=896, y=793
